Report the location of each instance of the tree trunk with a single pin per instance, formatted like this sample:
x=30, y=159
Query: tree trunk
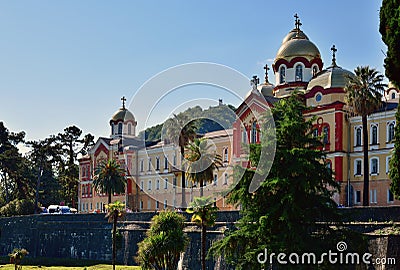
x=201, y=187
x=183, y=179
x=114, y=236
x=366, y=162
x=109, y=197
x=203, y=246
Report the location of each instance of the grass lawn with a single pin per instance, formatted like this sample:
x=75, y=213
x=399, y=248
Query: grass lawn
x=93, y=267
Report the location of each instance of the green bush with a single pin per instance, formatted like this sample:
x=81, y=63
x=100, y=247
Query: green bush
x=18, y=207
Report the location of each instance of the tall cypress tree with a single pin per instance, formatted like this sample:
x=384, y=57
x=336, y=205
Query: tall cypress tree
x=390, y=30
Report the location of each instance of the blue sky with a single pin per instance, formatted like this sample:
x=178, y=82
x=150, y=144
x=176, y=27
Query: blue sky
x=70, y=62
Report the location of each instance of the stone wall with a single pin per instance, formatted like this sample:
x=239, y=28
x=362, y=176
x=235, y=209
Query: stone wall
x=88, y=236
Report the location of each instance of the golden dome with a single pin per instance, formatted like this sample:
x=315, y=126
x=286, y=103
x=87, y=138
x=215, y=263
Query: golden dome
x=295, y=33
x=298, y=47
x=122, y=115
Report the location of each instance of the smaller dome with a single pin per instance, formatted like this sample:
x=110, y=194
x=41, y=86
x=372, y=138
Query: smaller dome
x=122, y=115
x=298, y=47
x=266, y=89
x=332, y=77
x=294, y=34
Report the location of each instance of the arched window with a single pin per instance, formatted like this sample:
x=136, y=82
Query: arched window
x=129, y=129
x=325, y=134
x=299, y=73
x=358, y=167
x=157, y=163
x=119, y=128
x=374, y=134
x=244, y=136
x=225, y=155
x=112, y=129
x=390, y=131
x=374, y=166
x=314, y=71
x=315, y=133
x=165, y=162
x=358, y=136
x=282, y=74
x=149, y=165
x=393, y=95
x=254, y=132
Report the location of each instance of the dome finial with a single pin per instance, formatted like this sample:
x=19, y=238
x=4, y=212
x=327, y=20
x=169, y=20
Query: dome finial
x=123, y=102
x=334, y=50
x=266, y=73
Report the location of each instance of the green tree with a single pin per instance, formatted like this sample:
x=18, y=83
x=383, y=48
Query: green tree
x=280, y=216
x=14, y=181
x=71, y=144
x=180, y=130
x=390, y=30
x=363, y=95
x=115, y=211
x=165, y=242
x=204, y=215
x=394, y=163
x=109, y=178
x=201, y=162
x=43, y=156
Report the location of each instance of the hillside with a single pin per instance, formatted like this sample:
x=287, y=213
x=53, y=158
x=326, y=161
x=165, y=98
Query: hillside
x=211, y=119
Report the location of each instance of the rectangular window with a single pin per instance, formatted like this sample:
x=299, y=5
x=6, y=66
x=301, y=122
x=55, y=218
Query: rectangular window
x=141, y=205
x=374, y=166
x=157, y=205
x=141, y=165
x=387, y=164
x=390, y=196
x=372, y=195
x=149, y=185
x=166, y=183
x=357, y=196
x=142, y=185
x=149, y=164
x=158, y=184
x=174, y=182
x=358, y=167
x=165, y=204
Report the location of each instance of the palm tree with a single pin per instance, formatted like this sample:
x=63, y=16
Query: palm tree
x=115, y=211
x=204, y=215
x=363, y=95
x=109, y=178
x=180, y=130
x=165, y=242
x=201, y=162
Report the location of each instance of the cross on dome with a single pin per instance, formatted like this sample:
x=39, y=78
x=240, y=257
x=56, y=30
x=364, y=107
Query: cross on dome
x=266, y=72
x=123, y=102
x=297, y=22
x=334, y=50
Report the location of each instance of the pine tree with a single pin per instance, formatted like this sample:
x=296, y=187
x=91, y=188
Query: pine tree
x=280, y=216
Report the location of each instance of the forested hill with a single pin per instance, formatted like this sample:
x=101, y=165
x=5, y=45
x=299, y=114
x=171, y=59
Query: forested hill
x=211, y=119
